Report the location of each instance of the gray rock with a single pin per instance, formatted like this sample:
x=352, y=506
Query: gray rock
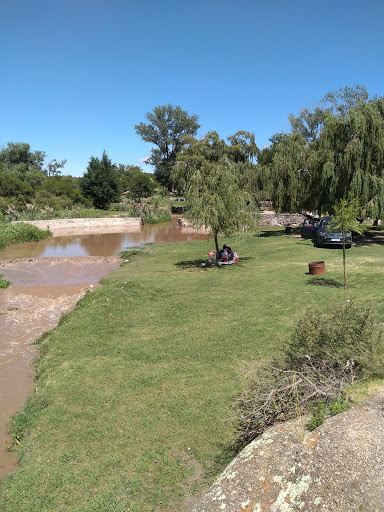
x=339, y=467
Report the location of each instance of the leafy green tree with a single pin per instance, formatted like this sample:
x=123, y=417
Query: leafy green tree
x=18, y=157
x=340, y=102
x=127, y=174
x=266, y=155
x=330, y=152
x=34, y=177
x=64, y=186
x=167, y=129
x=142, y=185
x=101, y=182
x=350, y=158
x=210, y=181
x=345, y=219
x=308, y=124
x=53, y=167
x=12, y=186
x=290, y=174
x=243, y=148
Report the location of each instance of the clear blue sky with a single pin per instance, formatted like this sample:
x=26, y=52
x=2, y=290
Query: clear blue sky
x=77, y=75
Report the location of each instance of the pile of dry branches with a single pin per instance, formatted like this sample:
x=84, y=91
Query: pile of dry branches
x=327, y=353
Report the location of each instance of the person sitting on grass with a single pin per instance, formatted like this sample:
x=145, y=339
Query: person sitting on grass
x=223, y=254
x=230, y=253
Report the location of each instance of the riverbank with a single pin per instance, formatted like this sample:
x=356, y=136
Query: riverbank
x=42, y=291
x=134, y=386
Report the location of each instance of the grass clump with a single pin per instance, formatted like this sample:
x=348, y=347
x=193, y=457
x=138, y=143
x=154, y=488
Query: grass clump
x=4, y=283
x=17, y=233
x=321, y=409
x=22, y=422
x=329, y=351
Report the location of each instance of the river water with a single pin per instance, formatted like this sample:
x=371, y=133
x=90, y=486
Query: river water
x=101, y=244
x=48, y=278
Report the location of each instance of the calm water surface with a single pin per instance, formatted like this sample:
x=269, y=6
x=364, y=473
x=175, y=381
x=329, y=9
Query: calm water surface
x=105, y=244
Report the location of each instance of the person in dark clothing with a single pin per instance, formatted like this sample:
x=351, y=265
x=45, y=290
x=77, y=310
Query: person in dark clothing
x=229, y=253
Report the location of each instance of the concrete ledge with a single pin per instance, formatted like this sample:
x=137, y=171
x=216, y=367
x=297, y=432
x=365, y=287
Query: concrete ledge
x=63, y=227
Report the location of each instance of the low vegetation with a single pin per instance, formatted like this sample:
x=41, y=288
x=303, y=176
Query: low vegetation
x=17, y=233
x=135, y=387
x=4, y=283
x=329, y=351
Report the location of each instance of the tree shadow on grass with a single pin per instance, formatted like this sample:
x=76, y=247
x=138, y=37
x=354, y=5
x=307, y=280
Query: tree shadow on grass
x=192, y=263
x=280, y=232
x=321, y=281
x=204, y=264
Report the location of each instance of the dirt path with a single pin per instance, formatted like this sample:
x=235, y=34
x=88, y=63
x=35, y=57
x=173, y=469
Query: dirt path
x=42, y=290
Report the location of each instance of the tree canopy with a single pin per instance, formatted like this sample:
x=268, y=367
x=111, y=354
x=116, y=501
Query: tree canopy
x=333, y=150
x=210, y=181
x=101, y=182
x=167, y=128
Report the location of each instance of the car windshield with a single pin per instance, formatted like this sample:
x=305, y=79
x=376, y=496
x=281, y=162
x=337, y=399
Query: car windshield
x=327, y=221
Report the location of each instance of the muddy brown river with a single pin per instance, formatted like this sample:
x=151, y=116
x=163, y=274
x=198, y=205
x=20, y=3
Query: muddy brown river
x=48, y=278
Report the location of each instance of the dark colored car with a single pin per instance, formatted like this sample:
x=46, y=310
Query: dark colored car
x=309, y=228
x=327, y=234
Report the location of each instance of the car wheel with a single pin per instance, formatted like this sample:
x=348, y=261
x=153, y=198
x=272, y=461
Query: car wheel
x=348, y=246
x=316, y=243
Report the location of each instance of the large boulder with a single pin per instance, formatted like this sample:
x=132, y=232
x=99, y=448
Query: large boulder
x=338, y=467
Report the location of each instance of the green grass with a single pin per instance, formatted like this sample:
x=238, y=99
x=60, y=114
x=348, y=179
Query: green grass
x=4, y=283
x=17, y=233
x=137, y=382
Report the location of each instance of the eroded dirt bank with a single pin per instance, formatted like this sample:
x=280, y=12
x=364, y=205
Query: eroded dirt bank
x=43, y=289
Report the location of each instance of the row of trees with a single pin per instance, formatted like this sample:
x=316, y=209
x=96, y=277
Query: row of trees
x=24, y=179
x=334, y=149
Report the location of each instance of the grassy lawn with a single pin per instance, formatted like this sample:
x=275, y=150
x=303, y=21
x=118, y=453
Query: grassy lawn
x=136, y=384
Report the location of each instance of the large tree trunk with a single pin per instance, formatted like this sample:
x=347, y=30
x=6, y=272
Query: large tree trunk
x=217, y=247
x=344, y=262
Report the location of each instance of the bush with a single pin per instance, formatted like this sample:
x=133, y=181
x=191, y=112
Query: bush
x=17, y=233
x=4, y=283
x=328, y=351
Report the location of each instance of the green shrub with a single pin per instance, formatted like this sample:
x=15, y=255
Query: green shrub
x=321, y=409
x=318, y=412
x=347, y=336
x=17, y=233
x=4, y=283
x=328, y=351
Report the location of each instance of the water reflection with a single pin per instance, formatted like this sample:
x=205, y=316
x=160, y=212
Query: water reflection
x=105, y=244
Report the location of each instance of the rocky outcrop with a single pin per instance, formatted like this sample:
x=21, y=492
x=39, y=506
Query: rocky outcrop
x=339, y=467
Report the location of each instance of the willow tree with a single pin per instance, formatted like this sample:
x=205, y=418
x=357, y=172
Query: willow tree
x=290, y=174
x=351, y=158
x=211, y=183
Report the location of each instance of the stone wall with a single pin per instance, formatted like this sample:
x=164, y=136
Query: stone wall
x=281, y=219
x=267, y=219
x=63, y=227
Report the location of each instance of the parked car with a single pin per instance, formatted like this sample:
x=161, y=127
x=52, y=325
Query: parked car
x=309, y=228
x=329, y=235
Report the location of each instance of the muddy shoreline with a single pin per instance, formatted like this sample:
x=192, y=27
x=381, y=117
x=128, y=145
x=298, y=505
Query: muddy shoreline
x=42, y=290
